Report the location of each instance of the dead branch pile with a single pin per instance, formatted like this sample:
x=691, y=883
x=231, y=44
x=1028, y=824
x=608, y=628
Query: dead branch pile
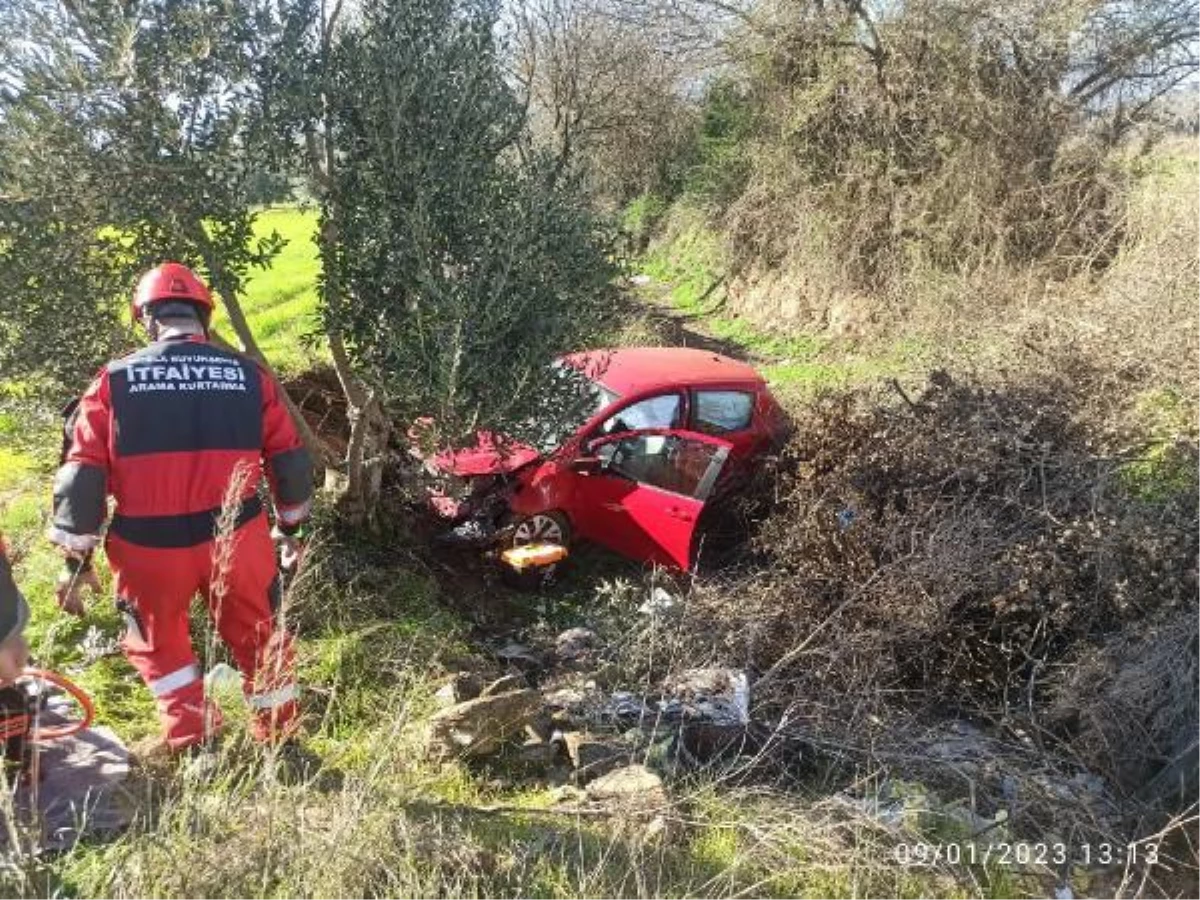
x=973, y=552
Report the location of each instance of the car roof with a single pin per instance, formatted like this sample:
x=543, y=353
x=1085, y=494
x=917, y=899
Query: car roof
x=631, y=370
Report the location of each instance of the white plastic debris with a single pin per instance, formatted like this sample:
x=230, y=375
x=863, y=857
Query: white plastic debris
x=222, y=677
x=661, y=603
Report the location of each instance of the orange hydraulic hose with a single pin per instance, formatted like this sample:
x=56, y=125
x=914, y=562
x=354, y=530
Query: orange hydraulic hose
x=85, y=703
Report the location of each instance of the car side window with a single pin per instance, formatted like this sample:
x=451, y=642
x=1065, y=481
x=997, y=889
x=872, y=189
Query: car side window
x=668, y=462
x=663, y=411
x=723, y=412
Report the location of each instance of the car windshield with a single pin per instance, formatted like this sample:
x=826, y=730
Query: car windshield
x=571, y=399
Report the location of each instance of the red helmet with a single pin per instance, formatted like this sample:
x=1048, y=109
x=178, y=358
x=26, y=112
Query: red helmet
x=171, y=281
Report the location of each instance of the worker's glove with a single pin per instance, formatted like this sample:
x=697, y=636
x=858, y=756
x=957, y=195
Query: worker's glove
x=76, y=575
x=14, y=656
x=291, y=548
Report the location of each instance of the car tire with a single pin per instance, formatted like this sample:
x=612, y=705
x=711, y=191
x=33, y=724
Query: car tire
x=551, y=527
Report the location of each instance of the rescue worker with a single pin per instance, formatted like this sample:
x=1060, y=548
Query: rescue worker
x=14, y=614
x=166, y=432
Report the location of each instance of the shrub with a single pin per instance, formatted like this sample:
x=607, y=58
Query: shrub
x=954, y=555
x=941, y=146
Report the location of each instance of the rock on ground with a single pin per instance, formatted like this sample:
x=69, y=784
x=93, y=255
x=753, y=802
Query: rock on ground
x=479, y=727
x=634, y=785
x=463, y=686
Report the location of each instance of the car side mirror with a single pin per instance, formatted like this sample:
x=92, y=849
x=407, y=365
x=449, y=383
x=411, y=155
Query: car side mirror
x=587, y=465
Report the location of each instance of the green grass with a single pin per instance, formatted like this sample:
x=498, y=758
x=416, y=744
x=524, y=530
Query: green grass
x=16, y=469
x=692, y=263
x=55, y=639
x=281, y=302
x=1166, y=467
x=688, y=267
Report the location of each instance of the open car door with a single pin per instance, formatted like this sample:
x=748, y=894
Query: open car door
x=643, y=496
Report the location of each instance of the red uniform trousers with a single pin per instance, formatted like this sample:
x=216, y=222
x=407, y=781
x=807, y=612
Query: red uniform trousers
x=155, y=589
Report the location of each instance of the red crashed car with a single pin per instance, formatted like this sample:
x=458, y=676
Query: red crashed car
x=671, y=428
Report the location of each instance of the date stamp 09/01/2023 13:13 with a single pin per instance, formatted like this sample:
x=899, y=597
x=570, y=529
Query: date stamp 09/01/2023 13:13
x=1025, y=854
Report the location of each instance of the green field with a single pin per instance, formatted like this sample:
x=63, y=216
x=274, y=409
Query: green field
x=281, y=302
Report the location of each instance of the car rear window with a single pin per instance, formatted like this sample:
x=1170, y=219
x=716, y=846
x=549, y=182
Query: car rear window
x=720, y=412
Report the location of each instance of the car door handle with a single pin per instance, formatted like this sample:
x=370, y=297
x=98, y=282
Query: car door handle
x=614, y=507
x=680, y=513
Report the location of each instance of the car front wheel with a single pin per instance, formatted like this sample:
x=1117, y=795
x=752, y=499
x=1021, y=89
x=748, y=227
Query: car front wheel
x=542, y=528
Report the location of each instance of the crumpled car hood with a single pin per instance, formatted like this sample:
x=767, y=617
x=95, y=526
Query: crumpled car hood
x=491, y=455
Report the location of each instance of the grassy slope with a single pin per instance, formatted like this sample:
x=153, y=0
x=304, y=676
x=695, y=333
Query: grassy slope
x=687, y=274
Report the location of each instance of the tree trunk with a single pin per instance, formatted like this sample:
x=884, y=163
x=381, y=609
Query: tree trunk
x=368, y=426
x=241, y=327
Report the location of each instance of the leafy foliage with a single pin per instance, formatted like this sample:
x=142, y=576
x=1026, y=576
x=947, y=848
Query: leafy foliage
x=125, y=142
x=464, y=267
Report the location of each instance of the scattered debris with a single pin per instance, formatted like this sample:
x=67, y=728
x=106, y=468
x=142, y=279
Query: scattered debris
x=479, y=727
x=521, y=655
x=635, y=785
x=572, y=699
x=505, y=685
x=592, y=756
x=897, y=805
x=628, y=707
x=717, y=696
x=576, y=646
x=661, y=603
x=1007, y=776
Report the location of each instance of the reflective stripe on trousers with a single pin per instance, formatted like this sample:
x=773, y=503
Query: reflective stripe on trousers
x=274, y=699
x=173, y=681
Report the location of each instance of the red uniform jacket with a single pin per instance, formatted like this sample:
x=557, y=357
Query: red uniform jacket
x=163, y=431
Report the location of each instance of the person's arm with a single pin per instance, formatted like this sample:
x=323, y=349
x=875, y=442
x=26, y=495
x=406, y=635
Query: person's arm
x=81, y=495
x=288, y=464
x=14, y=614
x=81, y=485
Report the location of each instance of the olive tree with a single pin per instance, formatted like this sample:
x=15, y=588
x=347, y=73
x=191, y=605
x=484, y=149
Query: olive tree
x=457, y=260
x=126, y=138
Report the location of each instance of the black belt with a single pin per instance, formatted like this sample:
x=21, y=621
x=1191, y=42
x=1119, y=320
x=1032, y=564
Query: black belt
x=185, y=530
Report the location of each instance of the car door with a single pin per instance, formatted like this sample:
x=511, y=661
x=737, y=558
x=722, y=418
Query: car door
x=644, y=495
